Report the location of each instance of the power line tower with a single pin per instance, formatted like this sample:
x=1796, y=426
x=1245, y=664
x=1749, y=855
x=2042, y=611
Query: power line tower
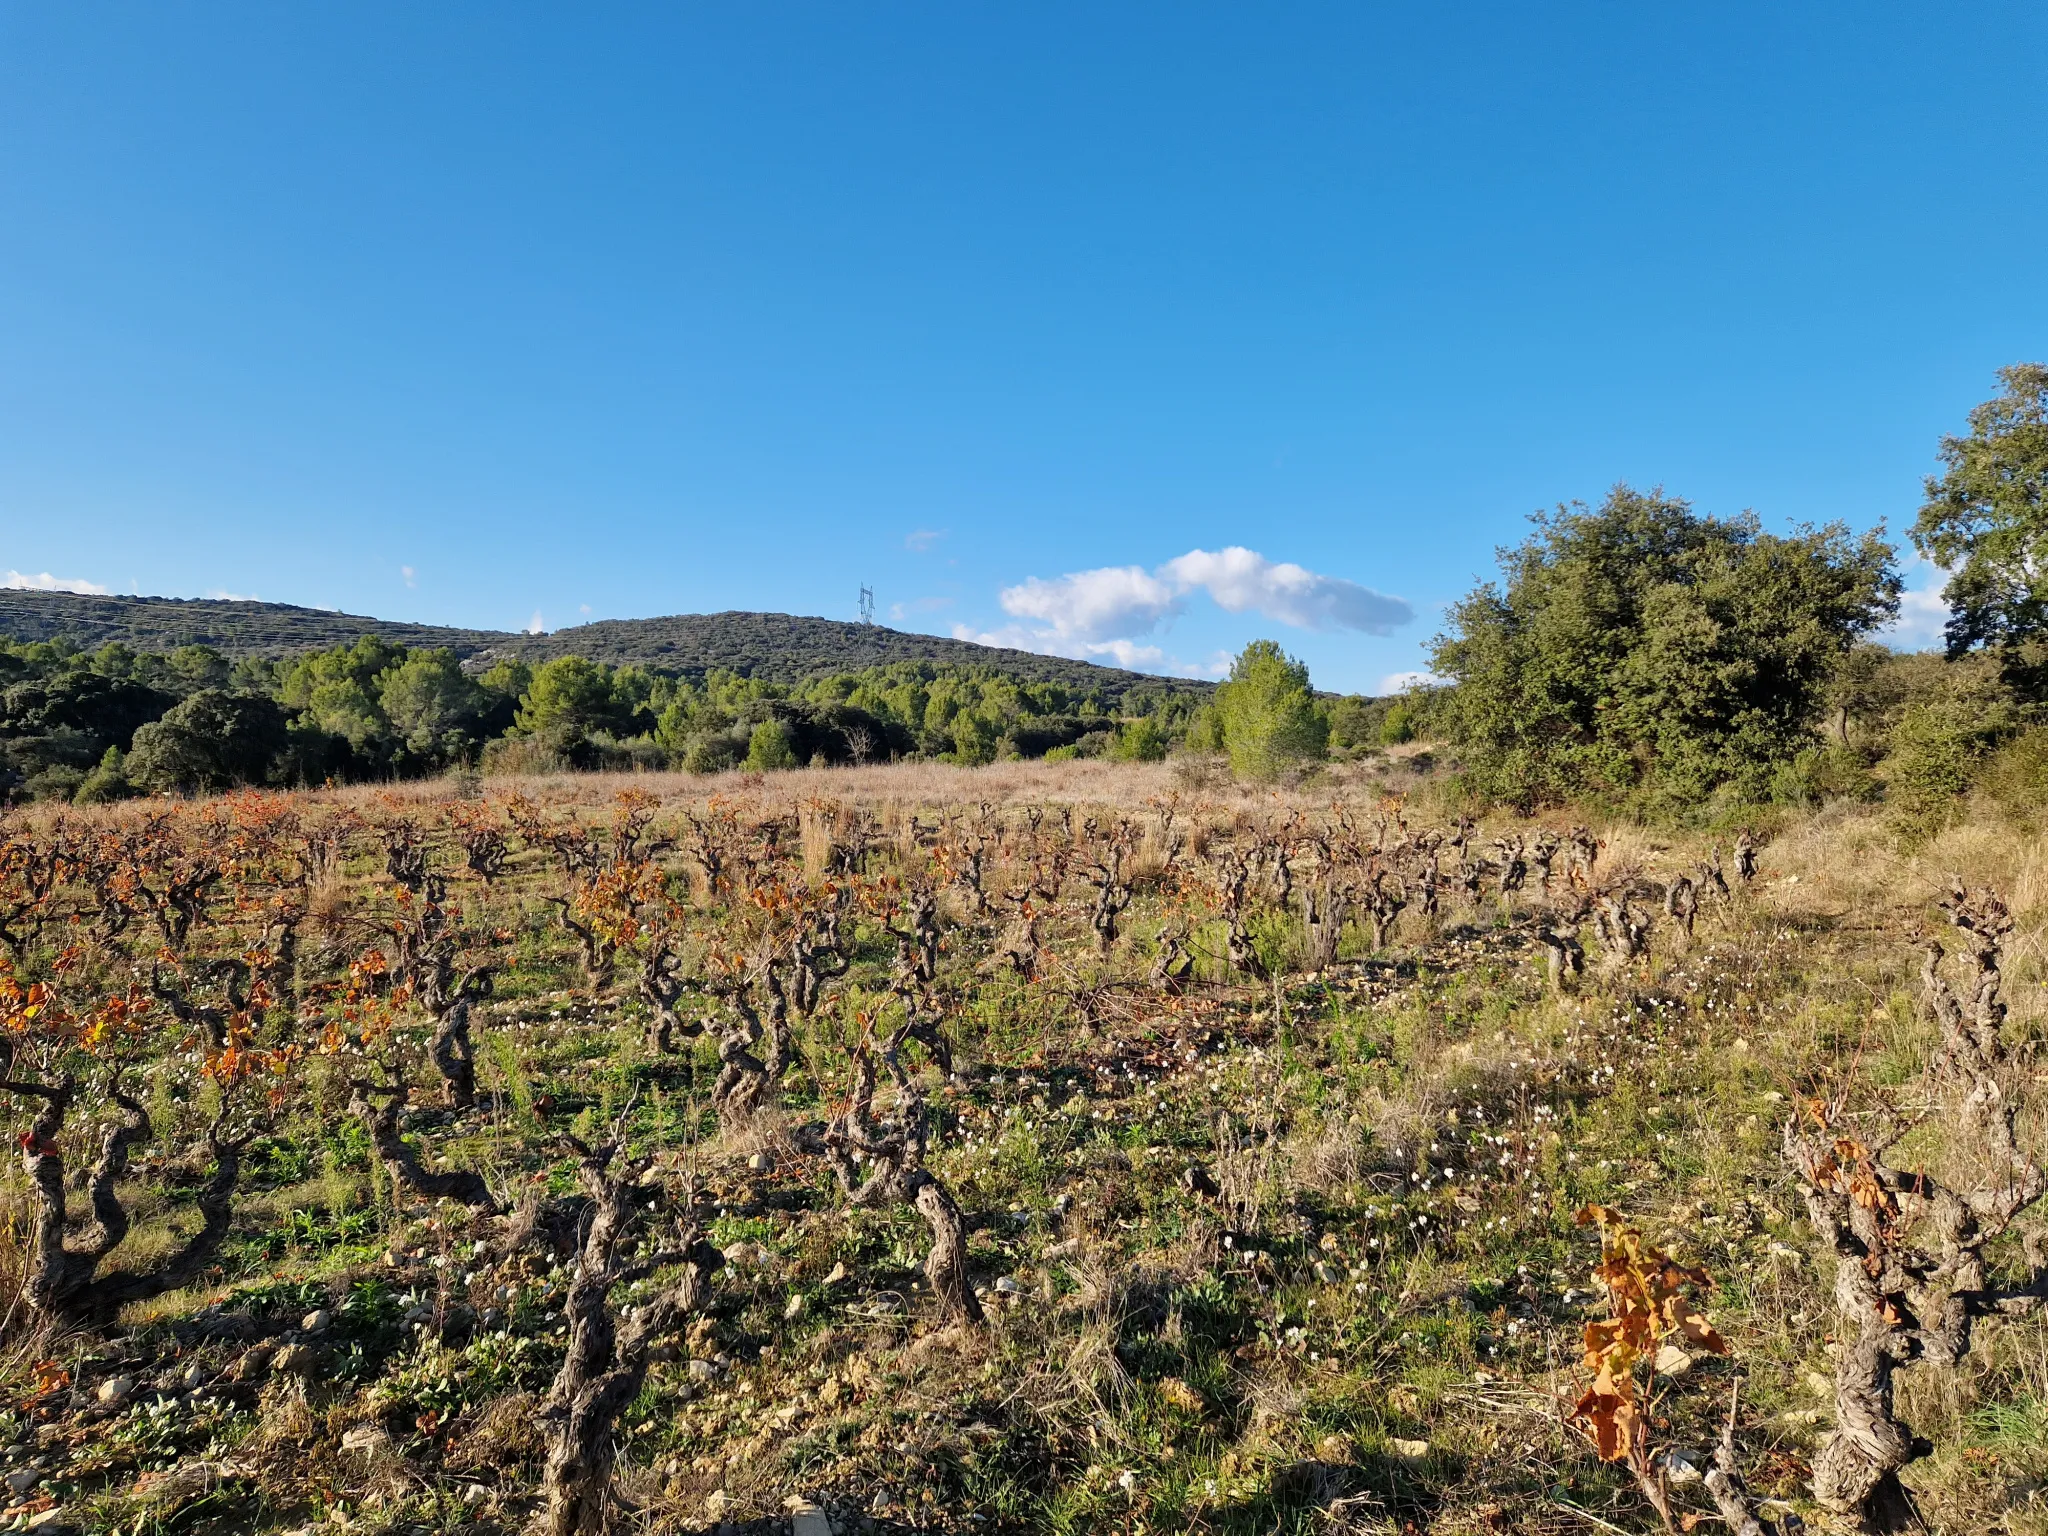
x=867, y=606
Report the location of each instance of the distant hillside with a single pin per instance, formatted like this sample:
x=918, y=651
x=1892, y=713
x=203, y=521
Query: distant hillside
x=777, y=647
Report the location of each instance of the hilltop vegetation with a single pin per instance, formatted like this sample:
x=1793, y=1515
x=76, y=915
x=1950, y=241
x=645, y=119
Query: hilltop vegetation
x=770, y=647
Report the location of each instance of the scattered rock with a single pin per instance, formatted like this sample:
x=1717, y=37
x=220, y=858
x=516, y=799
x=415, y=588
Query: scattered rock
x=1008, y=1285
x=292, y=1360
x=194, y=1378
x=23, y=1480
x=761, y=1162
x=795, y=1309
x=365, y=1439
x=252, y=1362
x=1681, y=1466
x=1409, y=1450
x=806, y=1519
x=315, y=1322
x=702, y=1370
x=1673, y=1361
x=839, y=1275
x=116, y=1389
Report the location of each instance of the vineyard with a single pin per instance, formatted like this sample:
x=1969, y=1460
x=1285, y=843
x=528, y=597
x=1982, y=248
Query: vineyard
x=1093, y=1150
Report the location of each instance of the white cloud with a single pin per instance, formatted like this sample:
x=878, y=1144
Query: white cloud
x=1114, y=601
x=1922, y=613
x=923, y=539
x=409, y=575
x=1098, y=614
x=1401, y=682
x=1121, y=600
x=16, y=581
x=1239, y=579
x=534, y=626
x=223, y=595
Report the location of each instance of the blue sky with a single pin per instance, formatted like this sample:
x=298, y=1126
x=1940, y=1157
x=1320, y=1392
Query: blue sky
x=1122, y=330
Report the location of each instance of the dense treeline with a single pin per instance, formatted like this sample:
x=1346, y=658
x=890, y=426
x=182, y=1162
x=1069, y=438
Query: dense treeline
x=103, y=724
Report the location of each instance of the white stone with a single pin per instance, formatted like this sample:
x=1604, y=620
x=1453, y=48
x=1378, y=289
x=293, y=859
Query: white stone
x=1681, y=1467
x=1409, y=1450
x=114, y=1388
x=314, y=1322
x=365, y=1438
x=806, y=1519
x=1007, y=1285
x=1673, y=1361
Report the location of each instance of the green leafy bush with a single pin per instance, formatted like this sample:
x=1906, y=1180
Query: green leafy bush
x=769, y=748
x=1643, y=652
x=1269, y=716
x=1940, y=745
x=2016, y=777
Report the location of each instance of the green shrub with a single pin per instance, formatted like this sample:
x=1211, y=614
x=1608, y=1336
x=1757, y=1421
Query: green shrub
x=770, y=748
x=710, y=752
x=1205, y=730
x=59, y=781
x=1940, y=745
x=1821, y=774
x=107, y=781
x=1398, y=724
x=1642, y=651
x=1139, y=741
x=2016, y=777
x=1270, y=719
x=521, y=755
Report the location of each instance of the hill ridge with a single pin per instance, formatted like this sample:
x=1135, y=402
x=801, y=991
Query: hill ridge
x=777, y=647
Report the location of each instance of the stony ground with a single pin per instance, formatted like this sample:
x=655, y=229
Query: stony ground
x=1295, y=1255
